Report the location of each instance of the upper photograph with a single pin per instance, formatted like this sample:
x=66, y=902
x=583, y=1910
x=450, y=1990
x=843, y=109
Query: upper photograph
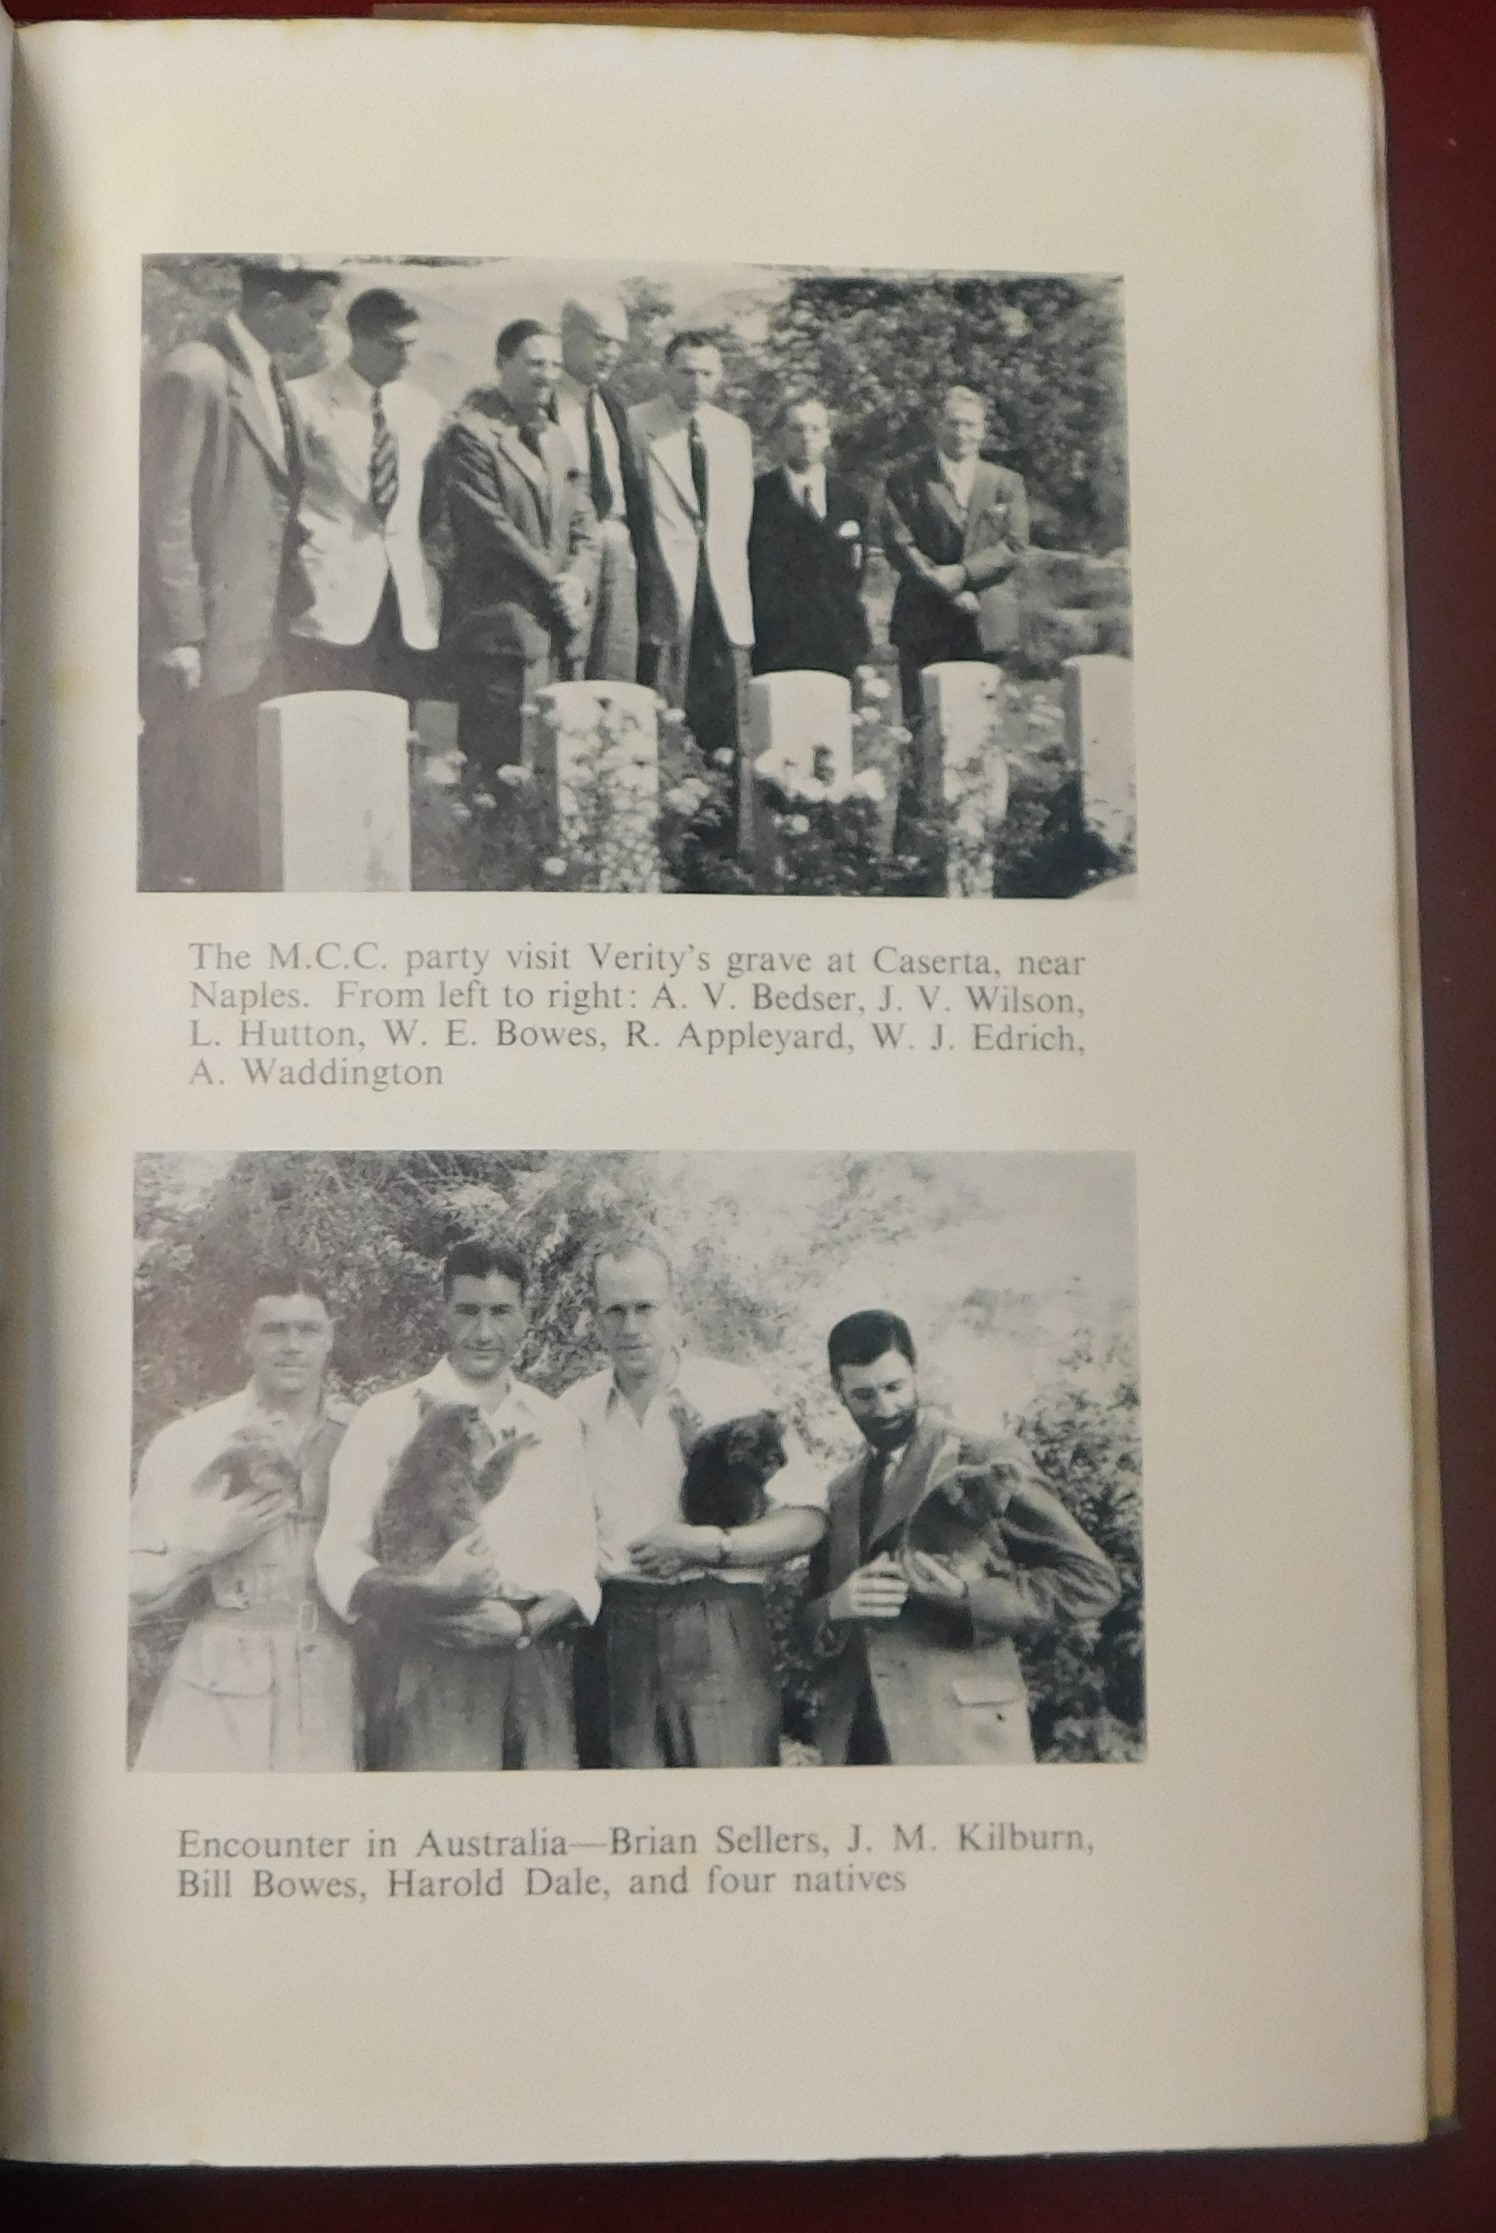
x=464, y=574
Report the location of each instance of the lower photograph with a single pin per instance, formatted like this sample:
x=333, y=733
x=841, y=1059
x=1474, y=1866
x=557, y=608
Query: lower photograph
x=564, y=1460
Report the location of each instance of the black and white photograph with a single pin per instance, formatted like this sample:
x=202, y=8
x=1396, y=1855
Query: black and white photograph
x=559, y=1460
x=492, y=574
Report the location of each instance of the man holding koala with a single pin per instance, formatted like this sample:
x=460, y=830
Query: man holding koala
x=224, y=1517
x=466, y=1660
x=689, y=1669
x=943, y=1551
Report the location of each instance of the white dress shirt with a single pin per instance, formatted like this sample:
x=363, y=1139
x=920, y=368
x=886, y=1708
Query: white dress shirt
x=813, y=479
x=637, y=1466
x=257, y=357
x=539, y=1528
x=959, y=473
x=571, y=417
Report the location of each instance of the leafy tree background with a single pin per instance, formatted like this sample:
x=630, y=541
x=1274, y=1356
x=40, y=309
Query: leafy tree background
x=1016, y=1273
x=1046, y=352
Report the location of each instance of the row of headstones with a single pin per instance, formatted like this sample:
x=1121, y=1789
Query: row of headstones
x=335, y=782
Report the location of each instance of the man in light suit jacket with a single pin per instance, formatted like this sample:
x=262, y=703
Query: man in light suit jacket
x=221, y=474
x=807, y=553
x=954, y=529
x=523, y=548
x=367, y=612
x=697, y=624
x=920, y=1662
x=594, y=333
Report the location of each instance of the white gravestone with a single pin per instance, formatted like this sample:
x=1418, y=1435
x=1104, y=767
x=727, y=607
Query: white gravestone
x=964, y=769
x=799, y=734
x=1099, y=733
x=334, y=772
x=596, y=747
x=801, y=724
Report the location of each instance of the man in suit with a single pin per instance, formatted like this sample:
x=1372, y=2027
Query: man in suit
x=954, y=529
x=807, y=553
x=594, y=334
x=224, y=1520
x=522, y=542
x=697, y=605
x=367, y=612
x=920, y=1662
x=221, y=475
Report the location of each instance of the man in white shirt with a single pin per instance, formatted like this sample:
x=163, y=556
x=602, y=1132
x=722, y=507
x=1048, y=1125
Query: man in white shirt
x=225, y=1515
x=367, y=613
x=955, y=528
x=689, y=1668
x=696, y=608
x=594, y=334
x=468, y=1664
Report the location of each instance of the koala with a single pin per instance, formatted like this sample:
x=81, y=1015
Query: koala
x=728, y=1468
x=452, y=1466
x=252, y=1463
x=959, y=1520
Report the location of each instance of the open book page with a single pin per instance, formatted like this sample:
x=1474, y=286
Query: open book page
x=708, y=783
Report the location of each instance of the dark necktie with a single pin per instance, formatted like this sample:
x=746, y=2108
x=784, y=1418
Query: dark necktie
x=289, y=433
x=872, y=1496
x=808, y=499
x=698, y=468
x=597, y=464
x=384, y=464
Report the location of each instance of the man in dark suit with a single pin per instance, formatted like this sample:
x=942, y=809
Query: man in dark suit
x=594, y=334
x=942, y=1551
x=221, y=473
x=954, y=528
x=522, y=547
x=807, y=553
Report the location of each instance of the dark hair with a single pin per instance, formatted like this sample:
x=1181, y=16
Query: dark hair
x=291, y=282
x=287, y=1279
x=693, y=337
x=481, y=1260
x=866, y=1336
x=515, y=335
x=380, y=310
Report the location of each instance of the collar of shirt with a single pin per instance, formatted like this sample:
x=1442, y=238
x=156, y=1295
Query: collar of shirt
x=446, y=1385
x=572, y=391
x=668, y=1383
x=356, y=388
x=814, y=479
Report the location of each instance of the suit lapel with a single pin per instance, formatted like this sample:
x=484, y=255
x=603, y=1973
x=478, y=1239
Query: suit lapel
x=244, y=398
x=907, y=1481
x=677, y=468
x=520, y=455
x=940, y=495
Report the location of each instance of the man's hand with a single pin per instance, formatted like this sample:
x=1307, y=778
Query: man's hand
x=218, y=1520
x=184, y=665
x=950, y=579
x=490, y=1625
x=874, y=1593
x=931, y=1579
x=462, y=1574
x=666, y=1550
x=571, y=599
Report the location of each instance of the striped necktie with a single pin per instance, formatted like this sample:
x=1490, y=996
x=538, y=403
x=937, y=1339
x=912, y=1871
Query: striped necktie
x=384, y=464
